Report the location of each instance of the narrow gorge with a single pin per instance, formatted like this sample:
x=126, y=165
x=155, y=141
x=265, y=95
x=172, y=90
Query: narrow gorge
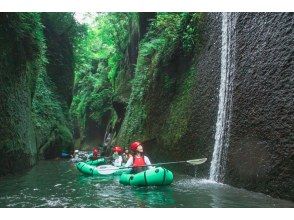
x=187, y=85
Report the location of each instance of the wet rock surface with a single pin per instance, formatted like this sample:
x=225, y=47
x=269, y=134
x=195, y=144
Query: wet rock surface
x=32, y=121
x=181, y=114
x=17, y=82
x=261, y=151
x=260, y=154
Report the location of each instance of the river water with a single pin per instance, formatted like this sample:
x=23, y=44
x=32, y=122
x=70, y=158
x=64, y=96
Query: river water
x=59, y=184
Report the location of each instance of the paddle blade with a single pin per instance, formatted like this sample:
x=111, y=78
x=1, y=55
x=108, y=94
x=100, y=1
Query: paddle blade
x=197, y=161
x=106, y=169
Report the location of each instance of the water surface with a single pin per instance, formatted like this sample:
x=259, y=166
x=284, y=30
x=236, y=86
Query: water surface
x=59, y=184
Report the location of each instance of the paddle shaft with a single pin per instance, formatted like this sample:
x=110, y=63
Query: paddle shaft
x=156, y=164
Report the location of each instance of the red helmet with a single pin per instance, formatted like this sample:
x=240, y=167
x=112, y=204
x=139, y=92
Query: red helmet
x=134, y=145
x=117, y=149
x=96, y=151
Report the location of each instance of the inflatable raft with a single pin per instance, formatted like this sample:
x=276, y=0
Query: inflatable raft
x=157, y=176
x=97, y=162
x=103, y=170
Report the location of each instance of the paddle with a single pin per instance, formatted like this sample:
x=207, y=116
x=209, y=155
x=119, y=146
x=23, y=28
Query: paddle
x=192, y=162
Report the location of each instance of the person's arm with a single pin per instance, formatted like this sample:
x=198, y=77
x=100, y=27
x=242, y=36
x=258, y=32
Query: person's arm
x=147, y=161
x=129, y=162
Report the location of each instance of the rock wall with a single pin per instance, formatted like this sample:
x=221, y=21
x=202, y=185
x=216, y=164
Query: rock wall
x=33, y=120
x=123, y=86
x=54, y=87
x=179, y=101
x=21, y=54
x=261, y=151
x=179, y=123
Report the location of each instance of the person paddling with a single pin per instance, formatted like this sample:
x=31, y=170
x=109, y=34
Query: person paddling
x=116, y=157
x=138, y=159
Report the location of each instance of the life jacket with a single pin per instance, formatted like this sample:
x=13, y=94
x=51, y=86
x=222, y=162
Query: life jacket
x=138, y=161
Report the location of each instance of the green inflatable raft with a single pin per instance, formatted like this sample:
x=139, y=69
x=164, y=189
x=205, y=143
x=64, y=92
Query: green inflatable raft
x=103, y=170
x=158, y=176
x=97, y=162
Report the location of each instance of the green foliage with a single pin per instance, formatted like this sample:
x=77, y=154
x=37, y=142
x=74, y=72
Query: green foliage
x=22, y=34
x=169, y=34
x=191, y=37
x=93, y=95
x=65, y=135
x=99, y=55
x=53, y=83
x=61, y=30
x=178, y=117
x=48, y=114
x=105, y=41
x=62, y=24
x=25, y=32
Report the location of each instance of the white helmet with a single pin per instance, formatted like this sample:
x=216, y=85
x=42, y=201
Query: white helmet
x=76, y=151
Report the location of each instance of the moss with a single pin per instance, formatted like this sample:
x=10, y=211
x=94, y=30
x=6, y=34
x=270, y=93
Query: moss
x=179, y=111
x=65, y=135
x=22, y=59
x=49, y=117
x=60, y=32
x=155, y=86
x=160, y=96
x=54, y=86
x=135, y=119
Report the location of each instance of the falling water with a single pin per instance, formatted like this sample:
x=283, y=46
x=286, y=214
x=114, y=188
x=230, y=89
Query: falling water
x=225, y=97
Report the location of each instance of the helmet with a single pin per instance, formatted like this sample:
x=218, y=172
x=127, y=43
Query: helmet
x=134, y=145
x=76, y=151
x=95, y=151
x=117, y=149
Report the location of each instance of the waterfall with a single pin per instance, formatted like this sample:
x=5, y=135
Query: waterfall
x=225, y=97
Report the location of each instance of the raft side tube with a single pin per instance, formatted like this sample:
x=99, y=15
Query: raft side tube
x=154, y=177
x=97, y=162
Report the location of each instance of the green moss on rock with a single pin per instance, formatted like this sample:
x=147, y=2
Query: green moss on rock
x=52, y=124
x=158, y=109
x=22, y=59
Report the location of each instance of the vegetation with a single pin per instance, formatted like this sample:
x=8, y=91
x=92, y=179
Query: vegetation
x=22, y=59
x=22, y=33
x=77, y=71
x=99, y=57
x=36, y=64
x=54, y=85
x=172, y=37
